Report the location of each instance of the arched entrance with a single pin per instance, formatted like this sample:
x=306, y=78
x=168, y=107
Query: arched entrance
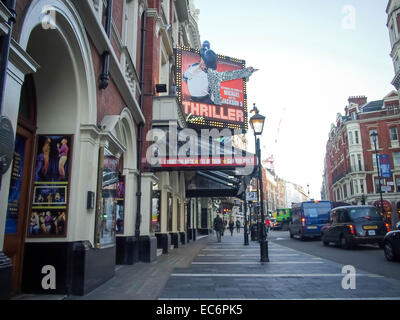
x=54, y=102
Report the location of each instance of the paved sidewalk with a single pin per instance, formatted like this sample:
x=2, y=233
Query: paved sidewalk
x=230, y=270
x=140, y=281
x=206, y=269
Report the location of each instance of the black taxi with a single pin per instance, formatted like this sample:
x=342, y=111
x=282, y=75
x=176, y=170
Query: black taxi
x=352, y=225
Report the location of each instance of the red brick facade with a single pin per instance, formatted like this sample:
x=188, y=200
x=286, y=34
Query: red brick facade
x=355, y=182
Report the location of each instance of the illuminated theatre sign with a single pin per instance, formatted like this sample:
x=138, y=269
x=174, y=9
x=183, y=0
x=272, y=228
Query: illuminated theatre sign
x=211, y=88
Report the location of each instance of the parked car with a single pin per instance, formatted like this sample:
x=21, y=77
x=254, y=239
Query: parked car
x=352, y=225
x=391, y=244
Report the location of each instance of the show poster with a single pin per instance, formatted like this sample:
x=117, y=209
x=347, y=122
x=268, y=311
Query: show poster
x=231, y=109
x=15, y=186
x=51, y=186
x=120, y=200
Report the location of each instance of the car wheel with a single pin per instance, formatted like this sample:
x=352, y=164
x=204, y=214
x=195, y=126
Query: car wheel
x=291, y=234
x=325, y=242
x=389, y=251
x=344, y=242
x=302, y=237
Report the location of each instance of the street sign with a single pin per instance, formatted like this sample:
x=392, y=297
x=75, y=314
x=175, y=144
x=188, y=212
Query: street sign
x=386, y=188
x=384, y=162
x=251, y=196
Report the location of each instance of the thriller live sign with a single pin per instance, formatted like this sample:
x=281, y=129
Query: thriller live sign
x=229, y=111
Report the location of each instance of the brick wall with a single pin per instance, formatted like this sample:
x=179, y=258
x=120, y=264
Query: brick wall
x=151, y=74
x=109, y=101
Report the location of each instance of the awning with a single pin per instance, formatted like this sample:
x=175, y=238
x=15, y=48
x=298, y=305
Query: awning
x=215, y=184
x=170, y=154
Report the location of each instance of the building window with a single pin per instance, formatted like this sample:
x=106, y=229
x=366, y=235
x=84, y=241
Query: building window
x=393, y=134
x=351, y=138
x=356, y=136
x=353, y=163
x=356, y=186
x=362, y=185
x=398, y=184
x=374, y=159
x=359, y=162
x=396, y=158
x=107, y=198
x=377, y=185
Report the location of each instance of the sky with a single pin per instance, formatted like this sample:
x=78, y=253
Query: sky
x=311, y=55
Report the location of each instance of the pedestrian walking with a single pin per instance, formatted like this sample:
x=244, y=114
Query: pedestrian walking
x=238, y=225
x=225, y=223
x=231, y=226
x=268, y=224
x=218, y=227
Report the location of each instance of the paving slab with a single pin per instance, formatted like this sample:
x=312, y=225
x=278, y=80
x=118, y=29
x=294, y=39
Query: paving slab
x=232, y=270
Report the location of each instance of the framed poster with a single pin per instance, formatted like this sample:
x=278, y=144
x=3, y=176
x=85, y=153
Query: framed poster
x=120, y=204
x=49, y=210
x=155, y=211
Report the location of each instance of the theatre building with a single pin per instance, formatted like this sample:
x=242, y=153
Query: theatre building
x=77, y=198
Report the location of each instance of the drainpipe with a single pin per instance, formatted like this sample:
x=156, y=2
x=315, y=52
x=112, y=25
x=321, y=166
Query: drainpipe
x=104, y=77
x=5, y=50
x=140, y=131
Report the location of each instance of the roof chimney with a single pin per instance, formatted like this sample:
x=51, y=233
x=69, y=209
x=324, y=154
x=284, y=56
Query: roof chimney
x=360, y=100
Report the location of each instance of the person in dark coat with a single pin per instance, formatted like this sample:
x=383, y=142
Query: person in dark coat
x=218, y=227
x=231, y=226
x=238, y=226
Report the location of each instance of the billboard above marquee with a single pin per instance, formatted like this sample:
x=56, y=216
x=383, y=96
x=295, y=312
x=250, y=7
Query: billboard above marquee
x=213, y=97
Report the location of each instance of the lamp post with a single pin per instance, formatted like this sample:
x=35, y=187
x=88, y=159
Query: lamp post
x=374, y=136
x=245, y=227
x=257, y=124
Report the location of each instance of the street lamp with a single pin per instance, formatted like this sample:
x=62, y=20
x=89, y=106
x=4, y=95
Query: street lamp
x=257, y=124
x=374, y=136
x=245, y=227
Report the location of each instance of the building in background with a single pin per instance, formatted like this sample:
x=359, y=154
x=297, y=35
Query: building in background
x=351, y=172
x=393, y=25
x=294, y=193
